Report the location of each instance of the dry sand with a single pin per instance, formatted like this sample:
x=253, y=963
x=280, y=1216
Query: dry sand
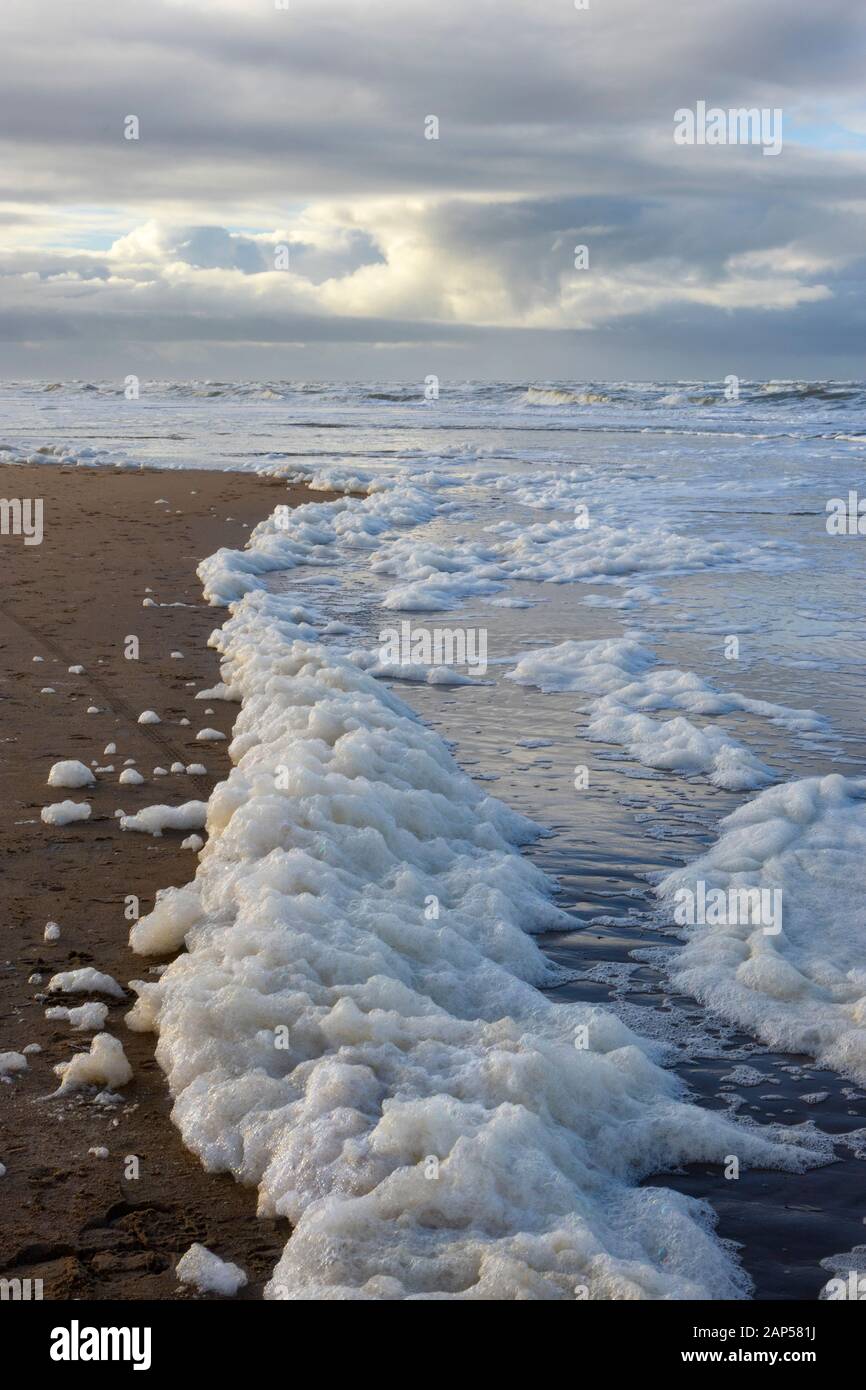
x=66, y=1216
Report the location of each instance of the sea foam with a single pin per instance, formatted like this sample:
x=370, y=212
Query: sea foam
x=622, y=676
x=801, y=989
x=356, y=1027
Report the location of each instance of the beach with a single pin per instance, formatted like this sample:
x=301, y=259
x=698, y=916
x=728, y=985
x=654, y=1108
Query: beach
x=69, y=1217
x=423, y=999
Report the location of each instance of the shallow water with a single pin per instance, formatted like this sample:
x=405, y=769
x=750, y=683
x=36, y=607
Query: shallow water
x=605, y=840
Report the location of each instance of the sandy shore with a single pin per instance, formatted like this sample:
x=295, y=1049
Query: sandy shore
x=67, y=1216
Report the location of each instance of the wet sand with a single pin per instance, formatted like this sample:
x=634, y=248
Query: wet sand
x=69, y=1217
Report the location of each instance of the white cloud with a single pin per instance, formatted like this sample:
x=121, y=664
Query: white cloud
x=409, y=269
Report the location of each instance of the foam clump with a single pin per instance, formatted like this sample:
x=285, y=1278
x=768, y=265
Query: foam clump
x=66, y=812
x=220, y=691
x=163, y=930
x=12, y=1062
x=624, y=681
x=104, y=1065
x=205, y=1271
x=86, y=1018
x=84, y=981
x=801, y=989
x=70, y=773
x=678, y=745
x=153, y=820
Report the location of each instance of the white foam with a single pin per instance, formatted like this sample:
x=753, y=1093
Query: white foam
x=361, y=901
x=676, y=745
x=220, y=691
x=130, y=778
x=802, y=990
x=86, y=980
x=593, y=667
x=622, y=675
x=70, y=773
x=161, y=931
x=12, y=1062
x=65, y=812
x=206, y=1272
x=559, y=552
x=104, y=1065
x=86, y=1018
x=154, y=819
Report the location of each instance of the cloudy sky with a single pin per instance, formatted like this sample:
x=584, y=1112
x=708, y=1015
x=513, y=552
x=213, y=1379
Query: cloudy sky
x=297, y=135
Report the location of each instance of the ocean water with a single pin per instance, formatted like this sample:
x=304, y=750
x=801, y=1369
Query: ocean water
x=508, y=1070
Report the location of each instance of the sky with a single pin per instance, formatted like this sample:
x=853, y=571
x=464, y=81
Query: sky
x=282, y=213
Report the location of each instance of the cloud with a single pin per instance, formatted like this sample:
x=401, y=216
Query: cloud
x=269, y=136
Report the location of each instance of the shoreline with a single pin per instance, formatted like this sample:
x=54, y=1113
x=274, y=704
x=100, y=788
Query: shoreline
x=122, y=1252
x=68, y=1216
